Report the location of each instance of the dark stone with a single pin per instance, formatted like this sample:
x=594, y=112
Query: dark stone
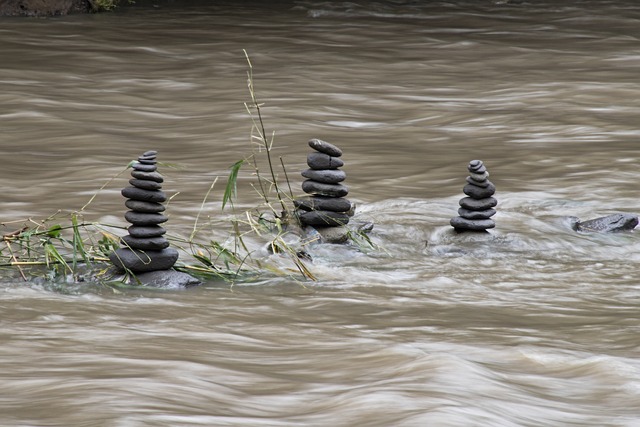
x=609, y=224
x=33, y=8
x=150, y=153
x=167, y=279
x=468, y=214
x=144, y=219
x=147, y=176
x=141, y=261
x=150, y=231
x=146, y=243
x=483, y=184
x=147, y=207
x=331, y=190
x=147, y=161
x=144, y=195
x=321, y=161
x=478, y=205
x=325, y=176
x=144, y=168
x=477, y=192
x=460, y=223
x=476, y=166
x=332, y=234
x=324, y=218
x=145, y=185
x=325, y=147
x=479, y=177
x=320, y=203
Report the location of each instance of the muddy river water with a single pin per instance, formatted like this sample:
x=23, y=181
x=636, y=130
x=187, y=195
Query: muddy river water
x=534, y=325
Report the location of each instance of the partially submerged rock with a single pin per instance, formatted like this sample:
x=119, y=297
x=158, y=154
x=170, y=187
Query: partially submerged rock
x=606, y=224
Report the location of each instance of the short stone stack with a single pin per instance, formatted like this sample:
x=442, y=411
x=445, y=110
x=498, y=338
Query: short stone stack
x=476, y=210
x=145, y=247
x=326, y=205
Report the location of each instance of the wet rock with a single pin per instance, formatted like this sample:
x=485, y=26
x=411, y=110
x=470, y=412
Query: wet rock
x=323, y=203
x=327, y=176
x=476, y=210
x=607, y=224
x=145, y=184
x=147, y=207
x=148, y=176
x=146, y=231
x=139, y=261
x=324, y=147
x=144, y=218
x=146, y=243
x=144, y=167
x=321, y=161
x=135, y=193
x=167, y=279
x=324, y=218
x=332, y=190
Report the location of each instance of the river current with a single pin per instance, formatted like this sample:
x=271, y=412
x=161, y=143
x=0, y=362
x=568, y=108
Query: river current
x=531, y=325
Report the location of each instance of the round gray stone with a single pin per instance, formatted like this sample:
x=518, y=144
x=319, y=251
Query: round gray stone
x=321, y=161
x=166, y=279
x=148, y=176
x=146, y=243
x=149, y=231
x=460, y=223
x=469, y=214
x=144, y=168
x=333, y=234
x=479, y=192
x=478, y=205
x=476, y=166
x=147, y=207
x=332, y=190
x=320, y=203
x=484, y=183
x=135, y=193
x=145, y=184
x=325, y=147
x=139, y=261
x=144, y=219
x=327, y=176
x=324, y=218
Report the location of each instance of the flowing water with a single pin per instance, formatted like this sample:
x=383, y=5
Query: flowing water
x=532, y=325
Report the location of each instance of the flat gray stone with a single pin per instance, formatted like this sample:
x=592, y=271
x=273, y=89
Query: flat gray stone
x=325, y=147
x=139, y=261
x=150, y=153
x=145, y=184
x=147, y=161
x=146, y=243
x=479, y=177
x=334, y=235
x=469, y=214
x=144, y=168
x=460, y=223
x=327, y=176
x=332, y=190
x=144, y=195
x=148, y=207
x=144, y=219
x=477, y=192
x=323, y=218
x=478, y=204
x=483, y=184
x=476, y=166
x=609, y=224
x=166, y=279
x=148, y=176
x=150, y=231
x=321, y=161
x=320, y=203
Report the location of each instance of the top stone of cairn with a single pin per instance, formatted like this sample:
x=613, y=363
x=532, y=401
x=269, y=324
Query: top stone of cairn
x=325, y=147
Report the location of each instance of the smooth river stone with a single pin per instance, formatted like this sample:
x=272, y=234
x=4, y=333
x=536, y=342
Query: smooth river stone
x=167, y=279
x=144, y=219
x=468, y=214
x=146, y=243
x=478, y=205
x=147, y=207
x=147, y=161
x=145, y=184
x=609, y=224
x=150, y=153
x=149, y=231
x=470, y=180
x=320, y=203
x=144, y=195
x=460, y=223
x=324, y=218
x=332, y=190
x=479, y=192
x=480, y=177
x=476, y=166
x=144, y=168
x=325, y=147
x=142, y=261
x=321, y=161
x=148, y=176
x=325, y=176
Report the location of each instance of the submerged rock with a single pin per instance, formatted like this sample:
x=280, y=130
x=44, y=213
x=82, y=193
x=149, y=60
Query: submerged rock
x=606, y=224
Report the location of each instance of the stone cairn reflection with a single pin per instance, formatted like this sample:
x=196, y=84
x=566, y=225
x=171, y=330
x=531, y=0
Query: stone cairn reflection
x=325, y=206
x=476, y=210
x=145, y=247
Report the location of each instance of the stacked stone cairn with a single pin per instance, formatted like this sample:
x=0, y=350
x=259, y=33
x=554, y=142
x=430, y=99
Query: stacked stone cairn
x=325, y=209
x=145, y=248
x=476, y=210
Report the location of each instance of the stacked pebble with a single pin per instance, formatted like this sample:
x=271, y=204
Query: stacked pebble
x=326, y=205
x=477, y=209
x=145, y=247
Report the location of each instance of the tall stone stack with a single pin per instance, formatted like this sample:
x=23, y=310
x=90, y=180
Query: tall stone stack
x=145, y=248
x=476, y=210
x=325, y=206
